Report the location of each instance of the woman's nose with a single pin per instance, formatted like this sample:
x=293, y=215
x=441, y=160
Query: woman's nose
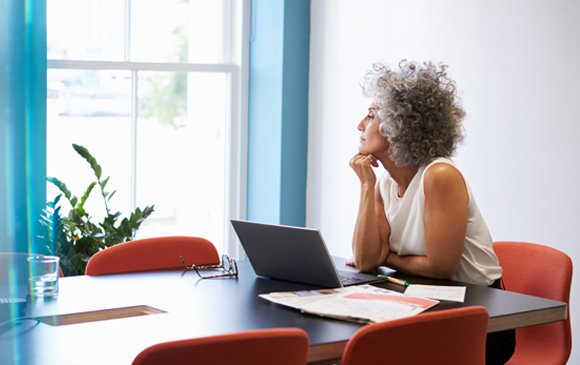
x=361, y=125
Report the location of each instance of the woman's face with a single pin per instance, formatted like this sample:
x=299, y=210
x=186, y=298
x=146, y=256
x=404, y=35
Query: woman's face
x=371, y=141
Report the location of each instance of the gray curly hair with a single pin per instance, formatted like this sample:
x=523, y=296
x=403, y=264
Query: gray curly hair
x=420, y=116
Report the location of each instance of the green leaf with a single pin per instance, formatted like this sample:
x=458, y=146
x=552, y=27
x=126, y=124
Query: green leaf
x=61, y=186
x=148, y=210
x=89, y=158
x=87, y=193
x=111, y=195
x=104, y=183
x=80, y=211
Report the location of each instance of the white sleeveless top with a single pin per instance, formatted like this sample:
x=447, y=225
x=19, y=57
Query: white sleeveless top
x=479, y=264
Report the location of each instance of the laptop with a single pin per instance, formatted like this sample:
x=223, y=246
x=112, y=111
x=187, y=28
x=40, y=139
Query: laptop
x=294, y=254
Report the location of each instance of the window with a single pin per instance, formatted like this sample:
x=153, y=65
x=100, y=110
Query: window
x=153, y=88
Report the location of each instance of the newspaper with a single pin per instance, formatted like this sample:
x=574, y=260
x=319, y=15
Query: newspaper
x=360, y=303
x=441, y=292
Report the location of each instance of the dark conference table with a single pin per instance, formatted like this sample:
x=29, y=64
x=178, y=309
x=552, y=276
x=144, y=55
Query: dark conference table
x=196, y=308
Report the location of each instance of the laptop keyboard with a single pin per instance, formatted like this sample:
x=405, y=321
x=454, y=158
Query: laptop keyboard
x=350, y=278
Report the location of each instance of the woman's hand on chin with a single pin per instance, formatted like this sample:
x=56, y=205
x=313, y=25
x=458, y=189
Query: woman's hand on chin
x=362, y=166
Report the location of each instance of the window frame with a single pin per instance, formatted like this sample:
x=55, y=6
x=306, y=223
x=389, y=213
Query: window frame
x=236, y=68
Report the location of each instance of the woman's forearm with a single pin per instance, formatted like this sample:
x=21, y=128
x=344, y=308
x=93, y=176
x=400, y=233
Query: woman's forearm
x=368, y=250
x=421, y=265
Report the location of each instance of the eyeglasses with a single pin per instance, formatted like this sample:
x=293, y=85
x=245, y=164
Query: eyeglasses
x=228, y=268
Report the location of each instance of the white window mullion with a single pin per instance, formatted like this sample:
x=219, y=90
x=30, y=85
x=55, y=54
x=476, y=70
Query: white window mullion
x=230, y=173
x=228, y=30
x=235, y=166
x=127, y=32
x=134, y=103
x=142, y=66
x=236, y=170
x=134, y=117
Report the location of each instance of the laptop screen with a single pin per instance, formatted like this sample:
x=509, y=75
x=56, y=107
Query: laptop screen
x=290, y=253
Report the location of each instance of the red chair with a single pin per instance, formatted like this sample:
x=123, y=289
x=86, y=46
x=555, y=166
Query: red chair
x=152, y=254
x=449, y=337
x=284, y=346
x=542, y=271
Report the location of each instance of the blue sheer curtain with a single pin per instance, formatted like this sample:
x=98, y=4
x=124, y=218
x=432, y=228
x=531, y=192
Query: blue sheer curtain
x=22, y=123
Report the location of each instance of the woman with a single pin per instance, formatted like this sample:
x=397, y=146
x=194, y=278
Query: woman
x=420, y=216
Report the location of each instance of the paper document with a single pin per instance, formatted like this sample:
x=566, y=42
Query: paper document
x=450, y=293
x=359, y=303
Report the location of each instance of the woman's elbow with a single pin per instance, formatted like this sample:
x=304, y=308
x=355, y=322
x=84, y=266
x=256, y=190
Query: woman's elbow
x=443, y=271
x=366, y=265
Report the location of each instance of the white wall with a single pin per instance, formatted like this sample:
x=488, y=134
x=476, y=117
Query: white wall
x=516, y=63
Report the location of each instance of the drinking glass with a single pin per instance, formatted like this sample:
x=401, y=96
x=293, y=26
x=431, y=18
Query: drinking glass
x=43, y=276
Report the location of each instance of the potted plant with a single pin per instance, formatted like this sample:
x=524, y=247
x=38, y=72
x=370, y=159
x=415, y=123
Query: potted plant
x=74, y=237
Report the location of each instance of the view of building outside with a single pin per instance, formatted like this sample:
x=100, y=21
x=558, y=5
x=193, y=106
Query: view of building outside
x=158, y=132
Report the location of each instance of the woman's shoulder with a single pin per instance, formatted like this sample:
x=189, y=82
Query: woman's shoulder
x=440, y=161
x=441, y=173
x=441, y=166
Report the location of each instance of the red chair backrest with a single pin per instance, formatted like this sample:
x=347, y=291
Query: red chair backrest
x=450, y=337
x=284, y=346
x=150, y=254
x=546, y=272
